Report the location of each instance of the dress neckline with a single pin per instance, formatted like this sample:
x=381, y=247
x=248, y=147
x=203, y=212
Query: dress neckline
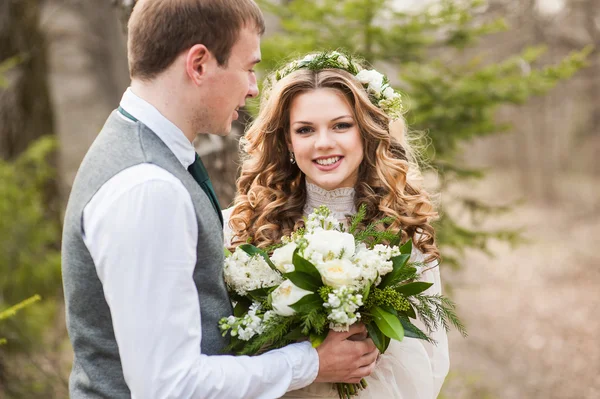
x=340, y=201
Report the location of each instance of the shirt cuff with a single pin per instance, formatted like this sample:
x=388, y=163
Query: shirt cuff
x=304, y=361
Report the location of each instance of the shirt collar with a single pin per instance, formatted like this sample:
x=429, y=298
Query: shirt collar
x=166, y=130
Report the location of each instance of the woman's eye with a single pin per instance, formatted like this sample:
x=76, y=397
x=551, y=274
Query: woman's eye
x=303, y=130
x=343, y=126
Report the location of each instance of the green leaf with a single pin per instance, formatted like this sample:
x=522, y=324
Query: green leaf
x=379, y=339
x=366, y=293
x=411, y=312
x=241, y=308
x=304, y=281
x=412, y=288
x=393, y=277
x=308, y=303
x=226, y=252
x=412, y=331
x=295, y=335
x=317, y=339
x=388, y=323
x=260, y=294
x=406, y=248
x=252, y=250
x=303, y=266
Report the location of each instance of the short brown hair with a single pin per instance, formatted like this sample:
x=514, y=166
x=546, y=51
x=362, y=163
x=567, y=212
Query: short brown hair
x=159, y=30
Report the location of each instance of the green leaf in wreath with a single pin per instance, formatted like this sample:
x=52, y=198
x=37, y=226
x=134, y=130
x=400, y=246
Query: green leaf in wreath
x=388, y=323
x=303, y=266
x=406, y=248
x=394, y=276
x=252, y=250
x=411, y=312
x=304, y=281
x=226, y=252
x=308, y=303
x=412, y=288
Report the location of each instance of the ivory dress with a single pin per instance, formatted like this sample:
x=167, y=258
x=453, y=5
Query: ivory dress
x=411, y=369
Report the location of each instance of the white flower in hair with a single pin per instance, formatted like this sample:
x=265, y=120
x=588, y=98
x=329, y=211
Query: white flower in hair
x=373, y=80
x=389, y=93
x=308, y=58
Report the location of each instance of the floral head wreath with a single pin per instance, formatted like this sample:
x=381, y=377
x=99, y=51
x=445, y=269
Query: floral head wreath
x=377, y=85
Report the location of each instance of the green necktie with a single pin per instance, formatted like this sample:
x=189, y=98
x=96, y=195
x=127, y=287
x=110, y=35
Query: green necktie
x=198, y=172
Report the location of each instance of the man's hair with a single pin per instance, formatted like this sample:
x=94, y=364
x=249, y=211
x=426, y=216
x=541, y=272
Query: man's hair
x=159, y=30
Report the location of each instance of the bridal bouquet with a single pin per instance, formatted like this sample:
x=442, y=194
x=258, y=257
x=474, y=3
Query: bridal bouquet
x=325, y=276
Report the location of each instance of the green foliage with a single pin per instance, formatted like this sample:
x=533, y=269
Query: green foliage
x=12, y=311
x=452, y=101
x=30, y=234
x=437, y=309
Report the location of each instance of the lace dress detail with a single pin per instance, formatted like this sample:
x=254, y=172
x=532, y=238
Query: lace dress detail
x=340, y=201
x=411, y=369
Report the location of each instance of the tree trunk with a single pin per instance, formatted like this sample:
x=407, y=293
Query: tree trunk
x=25, y=109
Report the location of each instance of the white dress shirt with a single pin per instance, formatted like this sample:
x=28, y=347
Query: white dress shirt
x=141, y=231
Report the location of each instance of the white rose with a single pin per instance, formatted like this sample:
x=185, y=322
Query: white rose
x=343, y=61
x=333, y=242
x=370, y=77
x=338, y=272
x=389, y=93
x=285, y=295
x=282, y=258
x=308, y=58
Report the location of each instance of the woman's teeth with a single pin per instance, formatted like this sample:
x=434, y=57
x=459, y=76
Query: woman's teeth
x=327, y=161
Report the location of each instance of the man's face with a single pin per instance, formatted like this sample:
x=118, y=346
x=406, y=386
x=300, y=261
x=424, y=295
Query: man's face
x=231, y=84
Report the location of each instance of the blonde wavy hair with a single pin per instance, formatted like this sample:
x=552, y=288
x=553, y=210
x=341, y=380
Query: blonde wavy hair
x=271, y=191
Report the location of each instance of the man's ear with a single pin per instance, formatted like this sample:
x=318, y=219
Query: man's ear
x=197, y=63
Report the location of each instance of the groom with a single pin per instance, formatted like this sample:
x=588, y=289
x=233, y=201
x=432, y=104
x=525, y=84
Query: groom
x=143, y=245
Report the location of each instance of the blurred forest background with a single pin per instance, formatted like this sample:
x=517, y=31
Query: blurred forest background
x=507, y=92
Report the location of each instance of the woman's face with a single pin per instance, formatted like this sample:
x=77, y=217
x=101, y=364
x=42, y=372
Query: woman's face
x=325, y=139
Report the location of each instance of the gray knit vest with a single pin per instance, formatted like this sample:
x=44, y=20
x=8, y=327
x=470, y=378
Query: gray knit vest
x=97, y=370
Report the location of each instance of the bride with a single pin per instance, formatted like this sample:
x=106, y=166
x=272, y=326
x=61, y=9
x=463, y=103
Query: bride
x=330, y=132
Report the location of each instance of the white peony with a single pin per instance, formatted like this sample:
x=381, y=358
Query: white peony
x=330, y=243
x=339, y=272
x=285, y=295
x=282, y=257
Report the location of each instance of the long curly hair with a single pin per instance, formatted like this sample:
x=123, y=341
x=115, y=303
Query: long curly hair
x=271, y=191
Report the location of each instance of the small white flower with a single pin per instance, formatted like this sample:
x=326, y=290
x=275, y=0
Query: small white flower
x=245, y=273
x=285, y=295
x=338, y=272
x=282, y=257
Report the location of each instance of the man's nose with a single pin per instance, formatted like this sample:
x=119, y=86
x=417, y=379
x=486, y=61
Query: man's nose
x=253, y=89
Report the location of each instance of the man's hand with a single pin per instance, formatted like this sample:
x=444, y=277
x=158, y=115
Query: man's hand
x=345, y=360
